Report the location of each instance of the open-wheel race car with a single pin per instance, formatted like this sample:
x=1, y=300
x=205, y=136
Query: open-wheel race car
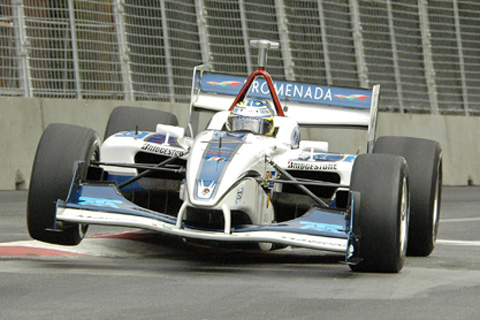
x=248, y=177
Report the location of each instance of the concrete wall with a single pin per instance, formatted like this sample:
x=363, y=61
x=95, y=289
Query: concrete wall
x=23, y=120
x=459, y=137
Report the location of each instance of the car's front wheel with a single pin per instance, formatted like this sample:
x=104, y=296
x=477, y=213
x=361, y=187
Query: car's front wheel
x=383, y=216
x=60, y=146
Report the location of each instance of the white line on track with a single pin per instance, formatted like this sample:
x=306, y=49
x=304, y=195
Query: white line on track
x=466, y=243
x=460, y=220
x=459, y=243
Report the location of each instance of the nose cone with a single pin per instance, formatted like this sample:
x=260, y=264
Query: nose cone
x=214, y=165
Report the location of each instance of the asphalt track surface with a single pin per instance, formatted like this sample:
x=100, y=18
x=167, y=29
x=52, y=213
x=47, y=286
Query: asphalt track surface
x=120, y=274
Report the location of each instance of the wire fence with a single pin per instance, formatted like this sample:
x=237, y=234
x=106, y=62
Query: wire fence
x=425, y=54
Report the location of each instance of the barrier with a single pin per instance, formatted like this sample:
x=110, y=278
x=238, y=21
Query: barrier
x=423, y=53
x=23, y=120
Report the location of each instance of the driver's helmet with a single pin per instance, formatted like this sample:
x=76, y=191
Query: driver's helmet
x=251, y=115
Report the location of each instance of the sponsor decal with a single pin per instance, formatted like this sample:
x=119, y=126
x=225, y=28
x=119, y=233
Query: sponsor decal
x=320, y=157
x=205, y=192
x=269, y=175
x=321, y=226
x=254, y=103
x=160, y=139
x=316, y=242
x=224, y=83
x=239, y=196
x=299, y=92
x=214, y=154
x=161, y=150
x=218, y=159
x=352, y=97
x=132, y=134
x=308, y=92
x=238, y=136
x=312, y=166
x=99, y=202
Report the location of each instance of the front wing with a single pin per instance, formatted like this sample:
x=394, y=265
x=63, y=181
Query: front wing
x=103, y=204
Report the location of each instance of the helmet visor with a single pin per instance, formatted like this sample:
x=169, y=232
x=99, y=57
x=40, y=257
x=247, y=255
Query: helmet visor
x=251, y=124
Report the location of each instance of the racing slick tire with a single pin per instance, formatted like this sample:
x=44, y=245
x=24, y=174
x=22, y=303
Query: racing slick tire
x=60, y=146
x=382, y=219
x=133, y=118
x=424, y=158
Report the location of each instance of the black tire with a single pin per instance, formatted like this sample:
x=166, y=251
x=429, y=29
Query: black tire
x=53, y=169
x=382, y=220
x=128, y=118
x=424, y=158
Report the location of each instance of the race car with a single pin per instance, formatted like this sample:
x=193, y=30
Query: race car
x=246, y=177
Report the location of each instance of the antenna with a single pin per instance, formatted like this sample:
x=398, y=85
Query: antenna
x=263, y=46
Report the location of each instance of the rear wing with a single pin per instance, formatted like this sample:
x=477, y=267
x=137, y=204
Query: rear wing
x=307, y=104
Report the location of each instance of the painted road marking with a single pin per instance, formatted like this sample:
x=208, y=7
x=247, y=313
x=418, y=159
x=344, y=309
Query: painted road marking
x=460, y=220
x=465, y=243
x=28, y=251
x=32, y=248
x=122, y=244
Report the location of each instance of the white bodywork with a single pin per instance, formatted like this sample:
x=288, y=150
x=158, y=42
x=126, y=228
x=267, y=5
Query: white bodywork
x=231, y=191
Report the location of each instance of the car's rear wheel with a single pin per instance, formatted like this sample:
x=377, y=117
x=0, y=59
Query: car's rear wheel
x=137, y=118
x=383, y=217
x=60, y=146
x=424, y=158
